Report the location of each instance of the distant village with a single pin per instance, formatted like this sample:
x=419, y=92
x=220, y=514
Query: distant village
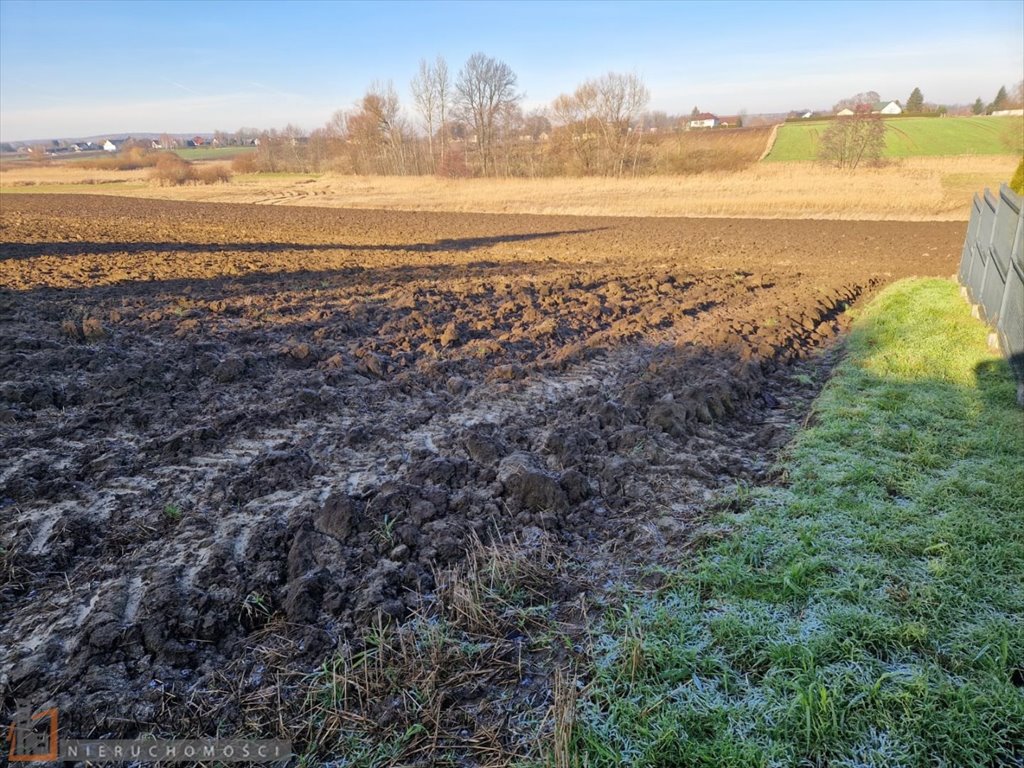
x=55, y=147
x=650, y=122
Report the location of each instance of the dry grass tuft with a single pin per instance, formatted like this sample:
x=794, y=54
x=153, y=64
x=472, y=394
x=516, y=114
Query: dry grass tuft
x=566, y=692
x=502, y=587
x=171, y=169
x=174, y=171
x=474, y=678
x=212, y=173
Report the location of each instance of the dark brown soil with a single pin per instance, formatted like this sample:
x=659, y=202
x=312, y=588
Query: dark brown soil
x=217, y=416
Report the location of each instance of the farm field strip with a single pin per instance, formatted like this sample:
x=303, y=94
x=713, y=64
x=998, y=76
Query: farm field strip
x=927, y=189
x=913, y=137
x=222, y=421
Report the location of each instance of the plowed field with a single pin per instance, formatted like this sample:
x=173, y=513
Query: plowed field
x=219, y=419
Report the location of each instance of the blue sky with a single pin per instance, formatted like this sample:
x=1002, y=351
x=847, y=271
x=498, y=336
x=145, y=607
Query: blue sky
x=79, y=68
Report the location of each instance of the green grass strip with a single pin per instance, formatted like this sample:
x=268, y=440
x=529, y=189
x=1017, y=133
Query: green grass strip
x=868, y=613
x=913, y=137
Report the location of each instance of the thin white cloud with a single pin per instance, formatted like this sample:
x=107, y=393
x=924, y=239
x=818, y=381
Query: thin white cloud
x=181, y=86
x=275, y=91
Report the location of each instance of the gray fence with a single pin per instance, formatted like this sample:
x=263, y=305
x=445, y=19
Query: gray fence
x=992, y=269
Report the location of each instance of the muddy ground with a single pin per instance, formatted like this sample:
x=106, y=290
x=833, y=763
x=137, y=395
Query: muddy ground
x=217, y=420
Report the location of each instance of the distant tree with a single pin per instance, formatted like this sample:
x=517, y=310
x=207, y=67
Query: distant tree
x=1017, y=100
x=39, y=153
x=850, y=141
x=292, y=149
x=915, y=103
x=1001, y=100
x=537, y=124
x=246, y=135
x=858, y=102
x=657, y=120
x=484, y=89
x=694, y=112
x=979, y=107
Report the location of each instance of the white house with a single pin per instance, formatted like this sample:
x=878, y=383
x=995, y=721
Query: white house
x=892, y=108
x=847, y=112
x=806, y=115
x=113, y=145
x=703, y=120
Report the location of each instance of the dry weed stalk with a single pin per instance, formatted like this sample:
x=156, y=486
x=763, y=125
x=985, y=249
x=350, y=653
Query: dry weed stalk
x=565, y=692
x=14, y=575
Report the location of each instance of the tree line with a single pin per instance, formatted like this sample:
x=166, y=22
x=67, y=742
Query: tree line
x=471, y=123
x=1003, y=100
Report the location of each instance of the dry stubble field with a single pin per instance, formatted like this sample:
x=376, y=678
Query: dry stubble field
x=921, y=189
x=233, y=437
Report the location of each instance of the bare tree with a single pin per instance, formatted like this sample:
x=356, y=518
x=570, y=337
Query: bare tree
x=484, y=88
x=443, y=89
x=537, y=124
x=424, y=98
x=376, y=131
x=245, y=135
x=849, y=141
x=292, y=149
x=602, y=117
x=510, y=126
x=621, y=99
x=577, y=113
x=431, y=93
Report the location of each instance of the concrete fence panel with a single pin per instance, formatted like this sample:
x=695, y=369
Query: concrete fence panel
x=992, y=269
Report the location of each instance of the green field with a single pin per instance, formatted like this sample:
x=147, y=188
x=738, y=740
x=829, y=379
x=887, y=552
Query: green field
x=914, y=137
x=212, y=153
